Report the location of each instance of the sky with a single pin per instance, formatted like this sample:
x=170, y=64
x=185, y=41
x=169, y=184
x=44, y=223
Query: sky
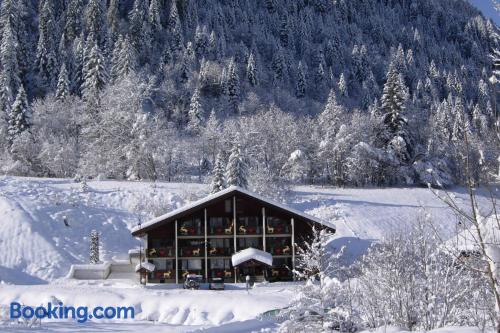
x=486, y=6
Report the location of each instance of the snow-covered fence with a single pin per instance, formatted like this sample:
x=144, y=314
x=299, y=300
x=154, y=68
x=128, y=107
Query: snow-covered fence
x=90, y=272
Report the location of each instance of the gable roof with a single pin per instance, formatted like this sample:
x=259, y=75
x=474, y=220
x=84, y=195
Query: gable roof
x=251, y=254
x=226, y=193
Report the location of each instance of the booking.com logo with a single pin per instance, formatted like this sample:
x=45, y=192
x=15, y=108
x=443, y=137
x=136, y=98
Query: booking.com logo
x=60, y=311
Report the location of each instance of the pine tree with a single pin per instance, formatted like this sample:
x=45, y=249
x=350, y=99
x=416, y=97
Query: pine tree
x=46, y=60
x=94, y=74
x=124, y=58
x=236, y=169
x=195, y=114
x=218, y=180
x=233, y=86
x=252, y=70
x=278, y=66
x=95, y=22
x=113, y=19
x=94, y=247
x=393, y=100
x=174, y=27
x=300, y=88
x=62, y=90
x=342, y=86
x=8, y=59
x=140, y=31
x=73, y=26
x=19, y=117
x=6, y=95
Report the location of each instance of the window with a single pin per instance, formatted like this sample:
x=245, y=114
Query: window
x=193, y=264
x=162, y=264
x=243, y=243
x=220, y=264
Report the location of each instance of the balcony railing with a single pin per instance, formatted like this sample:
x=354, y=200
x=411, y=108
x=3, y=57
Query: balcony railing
x=222, y=273
x=163, y=274
x=191, y=251
x=280, y=250
x=277, y=229
x=249, y=230
x=190, y=231
x=220, y=230
x=219, y=251
x=156, y=252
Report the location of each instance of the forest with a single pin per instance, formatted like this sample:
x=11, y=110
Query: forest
x=249, y=92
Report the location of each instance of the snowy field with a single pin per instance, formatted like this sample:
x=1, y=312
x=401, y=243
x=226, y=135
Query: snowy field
x=45, y=225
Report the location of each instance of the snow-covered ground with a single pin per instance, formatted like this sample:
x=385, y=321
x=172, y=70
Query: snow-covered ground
x=45, y=225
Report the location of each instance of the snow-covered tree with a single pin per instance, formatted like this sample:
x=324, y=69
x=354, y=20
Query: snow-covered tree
x=62, y=90
x=321, y=304
x=236, y=169
x=19, y=117
x=342, y=86
x=233, y=86
x=46, y=60
x=94, y=247
x=301, y=85
x=252, y=70
x=94, y=74
x=124, y=58
x=218, y=179
x=195, y=113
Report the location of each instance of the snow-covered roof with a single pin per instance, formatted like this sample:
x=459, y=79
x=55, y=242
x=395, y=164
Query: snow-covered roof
x=251, y=253
x=146, y=265
x=223, y=193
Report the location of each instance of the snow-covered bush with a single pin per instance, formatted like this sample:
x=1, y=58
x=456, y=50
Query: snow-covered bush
x=407, y=280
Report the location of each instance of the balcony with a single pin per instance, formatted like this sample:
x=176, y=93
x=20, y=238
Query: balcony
x=277, y=228
x=280, y=250
x=159, y=252
x=191, y=251
x=221, y=230
x=219, y=251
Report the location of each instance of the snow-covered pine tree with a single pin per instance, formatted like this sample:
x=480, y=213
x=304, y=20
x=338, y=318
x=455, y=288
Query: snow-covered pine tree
x=19, y=117
x=62, y=90
x=95, y=21
x=301, y=85
x=94, y=247
x=218, y=179
x=94, y=74
x=8, y=59
x=342, y=86
x=46, y=60
x=73, y=26
x=233, y=86
x=236, y=169
x=175, y=28
x=393, y=101
x=124, y=58
x=140, y=30
x=113, y=19
x=252, y=70
x=195, y=113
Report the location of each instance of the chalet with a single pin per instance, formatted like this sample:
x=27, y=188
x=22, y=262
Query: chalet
x=229, y=234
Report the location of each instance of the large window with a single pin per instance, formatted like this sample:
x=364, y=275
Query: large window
x=220, y=247
x=254, y=242
x=191, y=248
x=220, y=268
x=160, y=247
x=191, y=264
x=164, y=269
x=279, y=245
x=249, y=225
x=277, y=225
x=220, y=226
x=191, y=227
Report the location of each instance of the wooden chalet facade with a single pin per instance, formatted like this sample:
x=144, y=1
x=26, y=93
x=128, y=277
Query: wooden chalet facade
x=202, y=237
